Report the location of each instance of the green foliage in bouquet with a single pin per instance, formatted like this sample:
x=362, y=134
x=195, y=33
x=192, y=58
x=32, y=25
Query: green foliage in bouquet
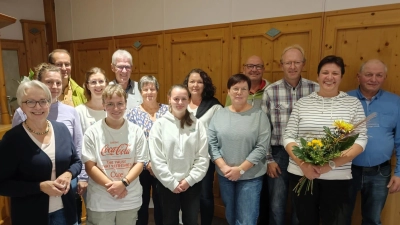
x=320, y=151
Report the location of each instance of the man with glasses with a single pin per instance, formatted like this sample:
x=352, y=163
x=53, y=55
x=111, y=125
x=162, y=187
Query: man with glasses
x=72, y=94
x=254, y=69
x=122, y=67
x=278, y=101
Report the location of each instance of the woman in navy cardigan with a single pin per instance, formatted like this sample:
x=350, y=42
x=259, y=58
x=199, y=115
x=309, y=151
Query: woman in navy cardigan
x=37, y=162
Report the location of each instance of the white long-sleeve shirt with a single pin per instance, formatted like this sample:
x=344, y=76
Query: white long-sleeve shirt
x=177, y=153
x=313, y=112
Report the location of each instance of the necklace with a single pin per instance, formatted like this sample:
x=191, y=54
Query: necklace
x=38, y=133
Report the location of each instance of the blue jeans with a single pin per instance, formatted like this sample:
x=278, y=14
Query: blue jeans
x=279, y=189
x=241, y=199
x=371, y=182
x=58, y=218
x=207, y=196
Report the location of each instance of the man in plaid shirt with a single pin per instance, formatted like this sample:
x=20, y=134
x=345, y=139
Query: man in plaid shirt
x=278, y=101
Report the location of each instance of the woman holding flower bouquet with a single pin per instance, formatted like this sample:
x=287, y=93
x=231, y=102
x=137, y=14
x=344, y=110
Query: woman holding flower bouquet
x=326, y=130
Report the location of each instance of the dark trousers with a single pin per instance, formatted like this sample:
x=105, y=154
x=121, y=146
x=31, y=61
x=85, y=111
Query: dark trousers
x=207, y=196
x=263, y=217
x=327, y=203
x=188, y=202
x=149, y=183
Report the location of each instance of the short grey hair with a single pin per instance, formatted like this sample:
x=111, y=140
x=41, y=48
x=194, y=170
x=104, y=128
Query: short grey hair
x=121, y=54
x=372, y=60
x=148, y=79
x=21, y=91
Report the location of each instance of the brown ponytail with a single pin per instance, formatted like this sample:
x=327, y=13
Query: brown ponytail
x=186, y=118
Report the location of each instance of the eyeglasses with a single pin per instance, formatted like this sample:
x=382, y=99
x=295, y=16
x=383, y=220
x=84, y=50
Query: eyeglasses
x=60, y=65
x=111, y=105
x=94, y=82
x=254, y=66
x=236, y=90
x=121, y=68
x=288, y=64
x=32, y=104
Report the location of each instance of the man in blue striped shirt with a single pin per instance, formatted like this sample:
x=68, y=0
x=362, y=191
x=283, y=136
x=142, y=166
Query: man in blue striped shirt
x=371, y=169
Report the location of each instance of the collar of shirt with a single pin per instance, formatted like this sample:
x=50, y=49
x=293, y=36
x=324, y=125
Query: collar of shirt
x=288, y=86
x=361, y=96
x=262, y=85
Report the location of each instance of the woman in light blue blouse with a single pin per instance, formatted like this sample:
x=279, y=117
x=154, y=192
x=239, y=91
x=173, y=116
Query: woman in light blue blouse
x=144, y=115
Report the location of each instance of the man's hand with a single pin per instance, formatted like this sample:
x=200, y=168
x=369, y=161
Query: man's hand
x=394, y=184
x=82, y=186
x=273, y=170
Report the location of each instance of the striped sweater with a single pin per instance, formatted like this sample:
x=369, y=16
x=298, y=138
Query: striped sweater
x=313, y=112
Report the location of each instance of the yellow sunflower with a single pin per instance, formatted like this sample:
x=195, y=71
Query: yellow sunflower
x=343, y=126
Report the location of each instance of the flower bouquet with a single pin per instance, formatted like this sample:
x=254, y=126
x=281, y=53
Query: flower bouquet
x=322, y=150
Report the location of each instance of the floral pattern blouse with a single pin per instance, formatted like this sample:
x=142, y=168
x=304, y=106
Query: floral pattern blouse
x=142, y=118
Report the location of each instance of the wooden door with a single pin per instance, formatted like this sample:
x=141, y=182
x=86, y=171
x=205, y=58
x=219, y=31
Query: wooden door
x=93, y=53
x=268, y=38
x=207, y=49
x=358, y=35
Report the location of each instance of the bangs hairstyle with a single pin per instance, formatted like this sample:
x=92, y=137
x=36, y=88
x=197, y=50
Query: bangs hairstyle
x=148, y=79
x=186, y=118
x=24, y=86
x=121, y=54
x=337, y=60
x=93, y=70
x=43, y=68
x=237, y=78
x=209, y=88
x=112, y=89
x=50, y=57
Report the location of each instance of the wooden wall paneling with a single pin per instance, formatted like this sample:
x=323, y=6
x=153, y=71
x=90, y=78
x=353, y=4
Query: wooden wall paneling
x=207, y=49
x=358, y=35
x=5, y=213
x=34, y=34
x=148, y=57
x=251, y=39
x=50, y=18
x=92, y=53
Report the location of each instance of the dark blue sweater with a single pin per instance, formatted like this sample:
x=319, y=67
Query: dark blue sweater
x=23, y=165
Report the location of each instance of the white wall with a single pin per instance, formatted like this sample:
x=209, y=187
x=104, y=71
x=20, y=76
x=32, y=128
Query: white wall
x=20, y=9
x=83, y=19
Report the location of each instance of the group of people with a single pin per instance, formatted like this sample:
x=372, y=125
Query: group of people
x=114, y=145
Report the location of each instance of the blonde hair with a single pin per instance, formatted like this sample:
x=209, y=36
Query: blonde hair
x=296, y=46
x=112, y=89
x=43, y=68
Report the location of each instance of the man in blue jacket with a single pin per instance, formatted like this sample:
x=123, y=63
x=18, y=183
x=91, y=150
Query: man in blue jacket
x=371, y=169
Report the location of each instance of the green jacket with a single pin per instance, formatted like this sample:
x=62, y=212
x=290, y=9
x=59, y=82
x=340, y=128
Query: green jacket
x=78, y=96
x=253, y=99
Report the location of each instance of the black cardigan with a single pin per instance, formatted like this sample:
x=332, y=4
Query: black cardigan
x=23, y=165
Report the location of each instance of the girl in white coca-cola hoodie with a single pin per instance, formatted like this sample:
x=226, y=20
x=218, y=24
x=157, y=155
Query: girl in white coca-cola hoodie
x=179, y=155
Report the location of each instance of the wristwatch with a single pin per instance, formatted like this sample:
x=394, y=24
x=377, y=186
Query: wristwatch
x=332, y=164
x=241, y=170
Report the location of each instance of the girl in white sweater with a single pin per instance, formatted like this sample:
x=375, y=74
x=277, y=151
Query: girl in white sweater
x=179, y=154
